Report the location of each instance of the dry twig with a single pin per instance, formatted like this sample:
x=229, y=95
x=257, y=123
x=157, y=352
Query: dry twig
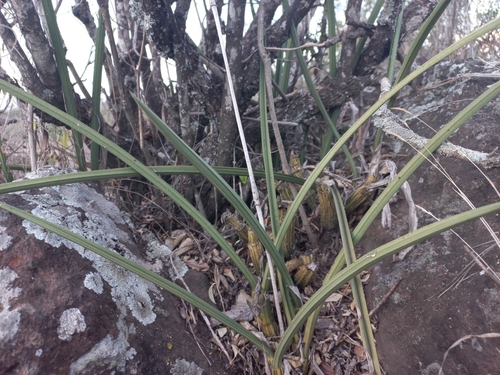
x=274, y=121
x=390, y=123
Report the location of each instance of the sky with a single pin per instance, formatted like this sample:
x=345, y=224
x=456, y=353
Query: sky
x=80, y=46
x=78, y=43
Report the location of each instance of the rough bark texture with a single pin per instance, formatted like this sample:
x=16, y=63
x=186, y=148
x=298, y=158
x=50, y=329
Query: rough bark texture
x=40, y=78
x=378, y=48
x=439, y=299
x=198, y=106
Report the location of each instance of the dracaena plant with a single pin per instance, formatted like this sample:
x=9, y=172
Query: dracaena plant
x=273, y=276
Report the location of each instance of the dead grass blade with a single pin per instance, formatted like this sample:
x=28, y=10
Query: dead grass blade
x=490, y=335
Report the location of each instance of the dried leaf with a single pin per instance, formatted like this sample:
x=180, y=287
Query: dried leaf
x=201, y=267
x=294, y=361
x=222, y=331
x=326, y=369
x=216, y=258
x=317, y=359
x=317, y=369
x=236, y=351
x=211, y=292
x=327, y=324
x=182, y=312
x=309, y=291
x=175, y=239
x=240, y=312
x=229, y=273
x=288, y=367
x=296, y=291
x=185, y=246
x=360, y=352
x=247, y=326
x=224, y=282
x=335, y=297
x=217, y=276
x=243, y=298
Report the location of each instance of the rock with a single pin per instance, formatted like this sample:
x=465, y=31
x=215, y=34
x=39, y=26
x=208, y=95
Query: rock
x=65, y=310
x=439, y=299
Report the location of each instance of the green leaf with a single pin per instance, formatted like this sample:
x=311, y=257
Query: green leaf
x=5, y=167
x=369, y=260
x=371, y=19
x=67, y=87
x=332, y=26
x=140, y=168
x=424, y=31
x=96, y=90
x=356, y=285
x=315, y=95
x=221, y=185
x=124, y=173
x=266, y=154
x=144, y=273
x=292, y=210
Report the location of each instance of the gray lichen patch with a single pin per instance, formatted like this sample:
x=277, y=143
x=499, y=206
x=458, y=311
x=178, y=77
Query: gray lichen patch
x=83, y=211
x=5, y=239
x=48, y=171
x=9, y=319
x=72, y=321
x=109, y=353
x=93, y=282
x=113, y=353
x=156, y=250
x=183, y=367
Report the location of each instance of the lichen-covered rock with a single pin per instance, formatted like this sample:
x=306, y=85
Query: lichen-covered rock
x=65, y=310
x=442, y=296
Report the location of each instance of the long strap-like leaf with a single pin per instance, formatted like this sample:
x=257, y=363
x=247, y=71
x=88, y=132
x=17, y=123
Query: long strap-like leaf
x=368, y=260
x=144, y=273
x=140, y=168
x=62, y=68
x=96, y=90
x=128, y=172
x=292, y=210
x=356, y=285
x=221, y=185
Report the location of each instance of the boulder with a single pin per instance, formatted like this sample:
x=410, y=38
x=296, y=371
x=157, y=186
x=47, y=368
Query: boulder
x=66, y=310
x=442, y=295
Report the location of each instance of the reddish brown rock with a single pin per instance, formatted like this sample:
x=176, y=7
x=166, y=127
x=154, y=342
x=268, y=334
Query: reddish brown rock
x=439, y=299
x=65, y=310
